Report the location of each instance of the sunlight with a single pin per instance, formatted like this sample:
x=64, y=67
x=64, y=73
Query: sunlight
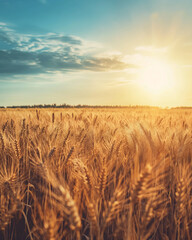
x=156, y=76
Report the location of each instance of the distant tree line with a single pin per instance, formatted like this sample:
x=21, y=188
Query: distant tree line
x=89, y=106
x=77, y=106
x=42, y=106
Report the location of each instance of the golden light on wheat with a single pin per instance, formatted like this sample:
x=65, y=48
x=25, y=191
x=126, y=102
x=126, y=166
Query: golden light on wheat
x=96, y=174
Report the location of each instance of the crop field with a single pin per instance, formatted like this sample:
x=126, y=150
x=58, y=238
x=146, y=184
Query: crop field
x=96, y=174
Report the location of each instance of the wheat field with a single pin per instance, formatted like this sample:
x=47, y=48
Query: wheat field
x=96, y=174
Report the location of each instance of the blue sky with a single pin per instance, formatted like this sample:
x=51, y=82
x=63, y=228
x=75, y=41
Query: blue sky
x=93, y=52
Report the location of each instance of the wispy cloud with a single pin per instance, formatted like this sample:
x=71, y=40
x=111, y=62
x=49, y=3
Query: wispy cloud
x=32, y=54
x=151, y=49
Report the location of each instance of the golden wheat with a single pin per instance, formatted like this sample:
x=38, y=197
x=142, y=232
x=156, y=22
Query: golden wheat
x=113, y=174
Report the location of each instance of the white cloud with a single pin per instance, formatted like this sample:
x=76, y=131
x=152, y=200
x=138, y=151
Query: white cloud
x=2, y=24
x=32, y=54
x=136, y=59
x=151, y=49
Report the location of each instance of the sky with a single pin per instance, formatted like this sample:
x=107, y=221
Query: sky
x=104, y=52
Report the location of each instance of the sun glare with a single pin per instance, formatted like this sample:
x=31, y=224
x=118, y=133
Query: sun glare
x=156, y=76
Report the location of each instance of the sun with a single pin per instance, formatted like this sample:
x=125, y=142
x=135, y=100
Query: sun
x=156, y=76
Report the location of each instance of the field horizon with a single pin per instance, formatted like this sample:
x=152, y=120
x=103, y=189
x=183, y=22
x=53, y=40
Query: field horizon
x=65, y=105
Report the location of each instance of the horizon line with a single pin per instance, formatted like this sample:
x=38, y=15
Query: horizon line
x=64, y=105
